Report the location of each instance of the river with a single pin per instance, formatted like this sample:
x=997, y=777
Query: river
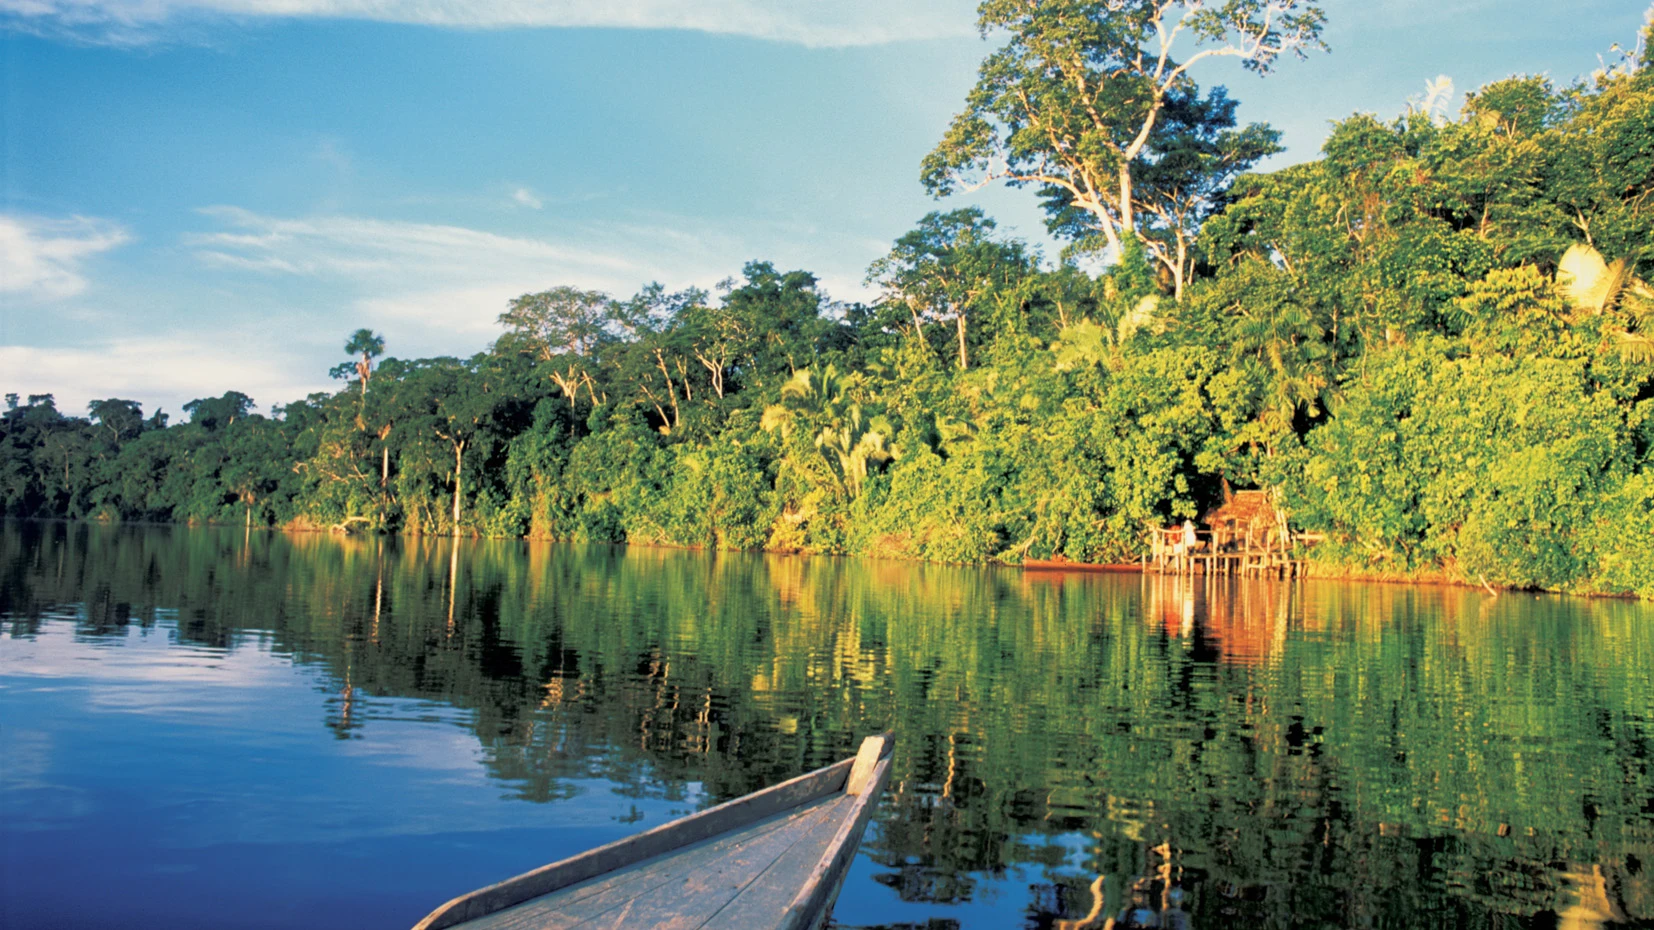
x=204, y=728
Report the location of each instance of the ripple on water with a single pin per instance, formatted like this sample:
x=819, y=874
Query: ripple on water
x=1284, y=755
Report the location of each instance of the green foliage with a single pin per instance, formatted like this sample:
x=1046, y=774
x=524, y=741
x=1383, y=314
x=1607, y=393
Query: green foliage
x=1436, y=343
x=1087, y=102
x=1619, y=538
x=215, y=413
x=952, y=268
x=1490, y=466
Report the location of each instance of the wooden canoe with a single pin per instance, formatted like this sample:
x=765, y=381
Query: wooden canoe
x=1057, y=565
x=774, y=858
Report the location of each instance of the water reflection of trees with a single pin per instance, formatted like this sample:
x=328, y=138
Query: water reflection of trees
x=1341, y=755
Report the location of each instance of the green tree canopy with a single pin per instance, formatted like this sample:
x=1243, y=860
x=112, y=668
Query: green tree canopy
x=213, y=413
x=947, y=267
x=367, y=344
x=563, y=320
x=1087, y=103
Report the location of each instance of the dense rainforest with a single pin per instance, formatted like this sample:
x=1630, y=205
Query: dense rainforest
x=1434, y=345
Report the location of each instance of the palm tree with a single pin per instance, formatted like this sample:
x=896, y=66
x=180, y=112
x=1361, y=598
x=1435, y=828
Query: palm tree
x=822, y=400
x=855, y=444
x=1287, y=342
x=369, y=345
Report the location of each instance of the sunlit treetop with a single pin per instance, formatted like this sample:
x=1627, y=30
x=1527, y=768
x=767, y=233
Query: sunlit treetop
x=1086, y=98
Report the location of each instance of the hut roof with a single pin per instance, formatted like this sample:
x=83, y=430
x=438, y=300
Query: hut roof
x=1242, y=507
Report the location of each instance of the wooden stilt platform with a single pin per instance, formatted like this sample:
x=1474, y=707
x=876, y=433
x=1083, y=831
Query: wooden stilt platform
x=1258, y=563
x=1216, y=554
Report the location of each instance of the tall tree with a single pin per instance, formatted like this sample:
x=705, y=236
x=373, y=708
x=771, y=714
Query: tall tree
x=255, y=453
x=1087, y=103
x=561, y=320
x=216, y=413
x=121, y=419
x=564, y=325
x=369, y=345
x=946, y=266
x=784, y=314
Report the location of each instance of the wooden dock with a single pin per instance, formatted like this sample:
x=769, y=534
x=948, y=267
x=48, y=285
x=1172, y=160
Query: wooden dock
x=1245, y=563
x=1246, y=536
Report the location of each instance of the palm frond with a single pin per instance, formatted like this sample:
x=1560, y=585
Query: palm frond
x=800, y=385
x=1585, y=278
x=1138, y=318
x=1635, y=347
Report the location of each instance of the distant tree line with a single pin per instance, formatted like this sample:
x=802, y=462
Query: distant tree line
x=1435, y=343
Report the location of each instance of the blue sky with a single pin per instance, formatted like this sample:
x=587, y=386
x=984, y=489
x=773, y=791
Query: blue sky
x=205, y=195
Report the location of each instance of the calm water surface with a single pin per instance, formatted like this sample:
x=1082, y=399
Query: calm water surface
x=205, y=729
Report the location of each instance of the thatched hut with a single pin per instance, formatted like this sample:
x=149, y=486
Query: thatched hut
x=1246, y=520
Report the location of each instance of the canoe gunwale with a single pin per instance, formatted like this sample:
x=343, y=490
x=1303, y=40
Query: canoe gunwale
x=673, y=835
x=814, y=902
x=669, y=836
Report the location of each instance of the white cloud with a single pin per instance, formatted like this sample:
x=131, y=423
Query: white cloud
x=361, y=247
x=159, y=371
x=815, y=23
x=286, y=287
x=467, y=312
x=526, y=197
x=41, y=258
x=434, y=282
x=443, y=281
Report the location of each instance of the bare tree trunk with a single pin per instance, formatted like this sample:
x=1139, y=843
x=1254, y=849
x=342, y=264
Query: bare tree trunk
x=384, y=466
x=716, y=367
x=671, y=389
x=591, y=389
x=569, y=383
x=961, y=320
x=1128, y=219
x=683, y=376
x=453, y=582
x=1182, y=266
x=459, y=464
x=1110, y=236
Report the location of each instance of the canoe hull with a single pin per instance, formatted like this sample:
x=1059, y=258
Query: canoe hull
x=1054, y=565
x=793, y=889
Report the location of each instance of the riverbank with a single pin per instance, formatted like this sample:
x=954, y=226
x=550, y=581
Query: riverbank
x=1310, y=568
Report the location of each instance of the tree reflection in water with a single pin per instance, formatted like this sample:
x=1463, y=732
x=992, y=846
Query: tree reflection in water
x=1243, y=753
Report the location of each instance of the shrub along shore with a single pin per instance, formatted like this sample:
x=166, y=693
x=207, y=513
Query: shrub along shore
x=1434, y=344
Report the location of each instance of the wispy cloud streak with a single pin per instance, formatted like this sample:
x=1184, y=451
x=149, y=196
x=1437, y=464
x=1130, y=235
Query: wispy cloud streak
x=295, y=285
x=410, y=268
x=41, y=258
x=354, y=246
x=814, y=23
